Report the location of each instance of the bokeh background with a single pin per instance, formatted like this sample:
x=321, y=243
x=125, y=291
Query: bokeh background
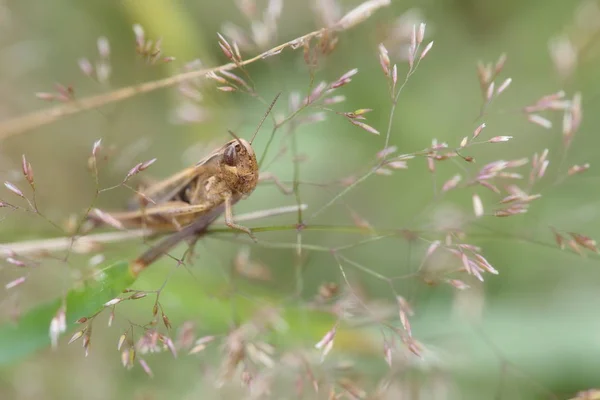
x=530, y=332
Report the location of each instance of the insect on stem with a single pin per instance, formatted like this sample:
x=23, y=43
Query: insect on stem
x=188, y=201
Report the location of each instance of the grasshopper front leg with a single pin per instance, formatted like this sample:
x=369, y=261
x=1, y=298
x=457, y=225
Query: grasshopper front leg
x=231, y=223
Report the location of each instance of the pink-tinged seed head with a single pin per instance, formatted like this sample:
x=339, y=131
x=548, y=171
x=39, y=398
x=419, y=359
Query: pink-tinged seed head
x=498, y=139
x=421, y=33
x=360, y=13
x=451, y=183
x=539, y=120
x=477, y=206
x=500, y=64
x=103, y=47
x=86, y=67
x=490, y=91
x=426, y=50
x=504, y=85
x=14, y=189
x=577, y=169
x=478, y=130
x=384, y=59
x=96, y=147
x=16, y=282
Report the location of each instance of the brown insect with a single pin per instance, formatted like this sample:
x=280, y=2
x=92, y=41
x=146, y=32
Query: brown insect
x=190, y=200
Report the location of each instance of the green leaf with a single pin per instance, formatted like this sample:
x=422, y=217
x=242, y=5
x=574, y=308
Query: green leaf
x=31, y=332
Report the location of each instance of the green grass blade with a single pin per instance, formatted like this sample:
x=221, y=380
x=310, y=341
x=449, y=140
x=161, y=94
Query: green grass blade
x=31, y=333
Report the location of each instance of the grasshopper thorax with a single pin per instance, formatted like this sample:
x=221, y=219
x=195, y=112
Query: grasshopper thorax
x=239, y=166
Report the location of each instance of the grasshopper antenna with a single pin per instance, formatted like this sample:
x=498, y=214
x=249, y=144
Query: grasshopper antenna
x=265, y=117
x=236, y=137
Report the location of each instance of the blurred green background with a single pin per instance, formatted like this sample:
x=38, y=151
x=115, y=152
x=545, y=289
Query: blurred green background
x=530, y=332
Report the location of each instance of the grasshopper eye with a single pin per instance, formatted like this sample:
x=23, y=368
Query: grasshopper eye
x=230, y=155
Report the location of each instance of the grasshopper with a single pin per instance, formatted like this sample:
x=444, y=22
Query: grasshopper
x=190, y=200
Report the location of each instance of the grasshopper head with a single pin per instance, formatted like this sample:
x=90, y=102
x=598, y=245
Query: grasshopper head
x=239, y=166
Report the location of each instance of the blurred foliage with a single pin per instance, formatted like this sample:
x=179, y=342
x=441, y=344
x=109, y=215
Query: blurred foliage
x=31, y=333
x=526, y=333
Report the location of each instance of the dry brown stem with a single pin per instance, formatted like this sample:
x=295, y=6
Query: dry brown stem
x=36, y=119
